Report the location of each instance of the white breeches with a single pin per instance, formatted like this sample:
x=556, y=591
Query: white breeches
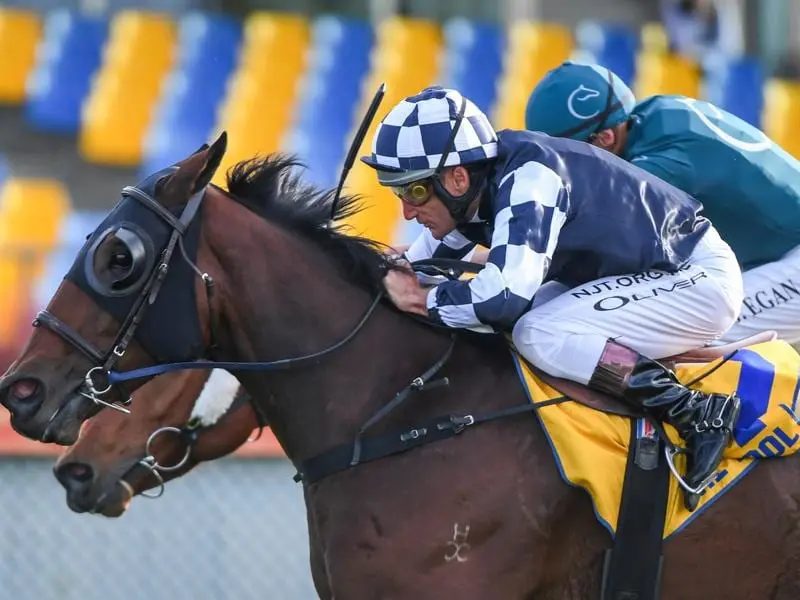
x=655, y=313
x=771, y=300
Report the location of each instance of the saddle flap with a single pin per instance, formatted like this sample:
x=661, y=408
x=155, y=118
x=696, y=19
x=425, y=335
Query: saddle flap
x=586, y=396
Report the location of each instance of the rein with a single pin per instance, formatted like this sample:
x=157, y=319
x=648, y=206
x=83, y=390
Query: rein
x=445, y=267
x=284, y=363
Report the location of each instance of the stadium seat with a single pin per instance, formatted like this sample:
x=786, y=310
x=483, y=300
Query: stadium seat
x=68, y=56
x=5, y=170
x=20, y=32
x=473, y=59
x=117, y=113
x=609, y=44
x=207, y=50
x=666, y=74
x=400, y=42
x=31, y=212
x=781, y=115
x=533, y=50
x=328, y=95
x=74, y=228
x=653, y=38
x=737, y=86
x=12, y=281
x=257, y=109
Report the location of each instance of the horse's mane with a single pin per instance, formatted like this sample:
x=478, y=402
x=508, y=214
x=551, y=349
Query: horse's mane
x=272, y=187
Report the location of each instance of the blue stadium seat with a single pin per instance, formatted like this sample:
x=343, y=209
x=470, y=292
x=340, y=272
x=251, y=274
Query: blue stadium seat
x=737, y=86
x=208, y=49
x=610, y=44
x=5, y=170
x=325, y=115
x=69, y=54
x=74, y=229
x=473, y=59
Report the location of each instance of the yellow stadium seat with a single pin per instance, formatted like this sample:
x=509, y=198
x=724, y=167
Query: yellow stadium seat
x=666, y=74
x=533, y=50
x=31, y=212
x=136, y=61
x=781, y=114
x=400, y=42
x=258, y=106
x=12, y=305
x=20, y=33
x=654, y=38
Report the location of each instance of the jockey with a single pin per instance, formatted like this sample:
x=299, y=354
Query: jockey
x=748, y=185
x=647, y=276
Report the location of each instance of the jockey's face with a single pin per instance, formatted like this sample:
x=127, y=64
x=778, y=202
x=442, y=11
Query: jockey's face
x=428, y=209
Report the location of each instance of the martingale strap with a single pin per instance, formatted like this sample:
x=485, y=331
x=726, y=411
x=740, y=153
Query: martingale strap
x=632, y=568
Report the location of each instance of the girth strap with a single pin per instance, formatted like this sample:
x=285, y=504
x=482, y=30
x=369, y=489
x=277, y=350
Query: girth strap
x=632, y=569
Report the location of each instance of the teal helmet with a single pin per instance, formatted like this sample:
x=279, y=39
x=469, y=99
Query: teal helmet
x=577, y=100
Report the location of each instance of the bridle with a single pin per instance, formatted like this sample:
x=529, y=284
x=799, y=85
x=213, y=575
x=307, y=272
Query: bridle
x=104, y=361
x=189, y=434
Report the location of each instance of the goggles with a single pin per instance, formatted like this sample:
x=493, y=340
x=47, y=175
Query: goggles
x=415, y=193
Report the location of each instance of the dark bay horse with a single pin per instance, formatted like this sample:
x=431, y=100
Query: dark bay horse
x=481, y=515
x=109, y=464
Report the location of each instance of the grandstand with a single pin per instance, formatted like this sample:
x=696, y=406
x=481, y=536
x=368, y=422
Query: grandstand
x=91, y=100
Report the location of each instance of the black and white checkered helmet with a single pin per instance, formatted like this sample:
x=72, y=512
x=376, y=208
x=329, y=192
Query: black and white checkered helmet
x=409, y=141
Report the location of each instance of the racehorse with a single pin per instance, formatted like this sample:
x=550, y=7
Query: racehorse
x=482, y=514
x=109, y=464
x=119, y=456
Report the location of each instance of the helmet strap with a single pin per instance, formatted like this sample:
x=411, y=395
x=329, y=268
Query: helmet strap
x=458, y=206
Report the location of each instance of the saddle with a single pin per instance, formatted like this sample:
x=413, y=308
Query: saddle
x=609, y=404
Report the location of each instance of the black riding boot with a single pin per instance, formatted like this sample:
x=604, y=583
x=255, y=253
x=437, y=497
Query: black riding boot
x=705, y=421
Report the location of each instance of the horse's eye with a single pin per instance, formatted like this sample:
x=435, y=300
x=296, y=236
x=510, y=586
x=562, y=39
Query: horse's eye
x=120, y=258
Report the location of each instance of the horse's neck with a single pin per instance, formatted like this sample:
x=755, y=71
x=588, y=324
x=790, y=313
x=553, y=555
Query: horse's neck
x=287, y=307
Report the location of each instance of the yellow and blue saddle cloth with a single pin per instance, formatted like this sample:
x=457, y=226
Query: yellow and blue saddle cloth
x=591, y=447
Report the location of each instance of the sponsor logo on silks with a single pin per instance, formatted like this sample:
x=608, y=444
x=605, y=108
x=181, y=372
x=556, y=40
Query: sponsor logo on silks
x=645, y=429
x=618, y=300
x=582, y=94
x=767, y=299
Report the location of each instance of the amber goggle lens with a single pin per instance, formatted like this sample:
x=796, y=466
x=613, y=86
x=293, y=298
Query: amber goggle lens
x=417, y=193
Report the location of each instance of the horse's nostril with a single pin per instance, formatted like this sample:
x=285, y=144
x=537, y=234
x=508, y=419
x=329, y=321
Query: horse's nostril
x=24, y=389
x=72, y=474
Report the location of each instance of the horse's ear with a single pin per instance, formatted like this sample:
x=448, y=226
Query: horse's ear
x=213, y=158
x=194, y=172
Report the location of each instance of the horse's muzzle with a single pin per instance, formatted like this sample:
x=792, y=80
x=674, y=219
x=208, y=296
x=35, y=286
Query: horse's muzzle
x=23, y=396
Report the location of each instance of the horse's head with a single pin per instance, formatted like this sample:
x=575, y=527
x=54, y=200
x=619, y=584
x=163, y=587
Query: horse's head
x=140, y=260
x=187, y=418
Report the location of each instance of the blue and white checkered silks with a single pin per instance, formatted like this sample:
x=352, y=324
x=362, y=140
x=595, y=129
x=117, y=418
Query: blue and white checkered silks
x=531, y=207
x=412, y=137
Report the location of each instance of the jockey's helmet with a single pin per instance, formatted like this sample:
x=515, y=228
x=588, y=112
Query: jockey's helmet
x=577, y=100
x=427, y=132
